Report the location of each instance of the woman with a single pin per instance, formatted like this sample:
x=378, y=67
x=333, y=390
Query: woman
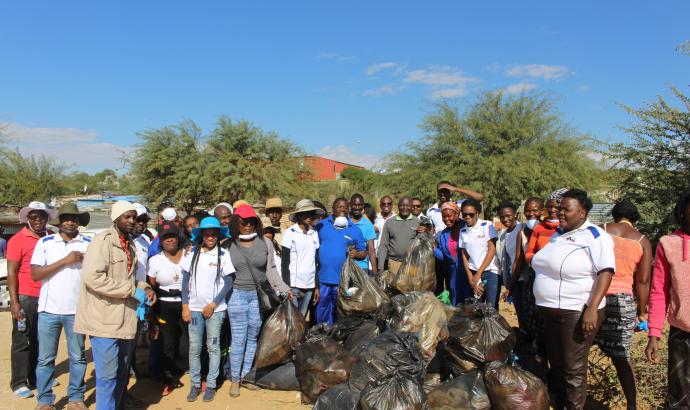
x=509, y=241
x=270, y=234
x=189, y=222
x=573, y=272
x=478, y=242
x=252, y=256
x=671, y=292
x=546, y=228
x=300, y=255
x=447, y=253
x=633, y=253
x=165, y=276
x=206, y=280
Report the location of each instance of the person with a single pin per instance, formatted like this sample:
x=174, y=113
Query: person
x=507, y=245
x=3, y=243
x=109, y=299
x=447, y=254
x=300, y=254
x=168, y=214
x=444, y=193
x=339, y=239
x=165, y=277
x=24, y=293
x=670, y=295
x=322, y=207
x=143, y=218
x=223, y=212
x=367, y=228
x=370, y=213
x=143, y=238
x=417, y=207
x=396, y=236
x=541, y=234
x=633, y=253
x=573, y=272
x=206, y=280
x=386, y=205
x=477, y=241
x=274, y=212
x=252, y=256
x=56, y=263
x=269, y=233
x=189, y=222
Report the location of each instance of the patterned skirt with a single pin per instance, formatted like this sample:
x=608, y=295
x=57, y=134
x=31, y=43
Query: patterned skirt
x=616, y=332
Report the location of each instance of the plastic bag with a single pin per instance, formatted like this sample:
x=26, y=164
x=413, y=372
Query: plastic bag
x=513, y=388
x=321, y=363
x=358, y=293
x=482, y=335
x=388, y=353
x=338, y=397
x=283, y=330
x=393, y=392
x=281, y=377
x=367, y=331
x=345, y=326
x=423, y=314
x=465, y=392
x=385, y=280
x=418, y=270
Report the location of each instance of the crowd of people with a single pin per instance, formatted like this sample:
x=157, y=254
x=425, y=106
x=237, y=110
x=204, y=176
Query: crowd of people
x=195, y=285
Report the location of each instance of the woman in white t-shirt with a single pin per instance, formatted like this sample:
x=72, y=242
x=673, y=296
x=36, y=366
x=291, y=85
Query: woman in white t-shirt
x=206, y=280
x=165, y=276
x=478, y=243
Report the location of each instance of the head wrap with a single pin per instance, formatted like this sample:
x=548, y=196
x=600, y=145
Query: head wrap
x=452, y=206
x=558, y=194
x=119, y=208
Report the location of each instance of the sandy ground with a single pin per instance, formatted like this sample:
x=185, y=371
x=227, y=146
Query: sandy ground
x=145, y=389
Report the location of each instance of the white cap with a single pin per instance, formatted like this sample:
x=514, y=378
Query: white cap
x=169, y=214
x=141, y=209
x=212, y=212
x=119, y=208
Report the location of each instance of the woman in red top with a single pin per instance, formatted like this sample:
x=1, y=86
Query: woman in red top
x=542, y=233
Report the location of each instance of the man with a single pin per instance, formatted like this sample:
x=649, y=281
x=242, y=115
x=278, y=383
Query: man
x=274, y=212
x=416, y=207
x=338, y=239
x=397, y=235
x=444, y=193
x=367, y=228
x=56, y=262
x=386, y=205
x=3, y=243
x=110, y=299
x=24, y=293
x=144, y=242
x=223, y=212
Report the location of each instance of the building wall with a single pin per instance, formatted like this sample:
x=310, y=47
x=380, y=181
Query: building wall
x=325, y=169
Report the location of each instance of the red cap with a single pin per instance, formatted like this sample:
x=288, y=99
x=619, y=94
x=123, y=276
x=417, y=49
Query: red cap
x=246, y=212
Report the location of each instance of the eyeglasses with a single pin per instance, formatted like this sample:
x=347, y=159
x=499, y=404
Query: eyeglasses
x=468, y=215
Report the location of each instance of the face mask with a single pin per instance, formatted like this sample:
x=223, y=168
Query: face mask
x=340, y=222
x=248, y=236
x=532, y=223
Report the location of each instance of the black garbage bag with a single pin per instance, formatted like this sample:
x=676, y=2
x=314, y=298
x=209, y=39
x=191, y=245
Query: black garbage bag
x=465, y=392
x=367, y=331
x=345, y=326
x=338, y=397
x=510, y=387
x=321, y=363
x=482, y=336
x=393, y=392
x=358, y=294
x=388, y=353
x=279, y=377
x=281, y=332
x=418, y=270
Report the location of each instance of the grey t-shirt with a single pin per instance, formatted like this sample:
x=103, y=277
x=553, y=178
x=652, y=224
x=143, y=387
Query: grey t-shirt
x=257, y=255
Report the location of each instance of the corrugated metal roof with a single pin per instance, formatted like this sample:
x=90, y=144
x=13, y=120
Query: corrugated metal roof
x=600, y=213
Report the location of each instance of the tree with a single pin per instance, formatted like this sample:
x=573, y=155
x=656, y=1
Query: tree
x=508, y=148
x=654, y=168
x=25, y=179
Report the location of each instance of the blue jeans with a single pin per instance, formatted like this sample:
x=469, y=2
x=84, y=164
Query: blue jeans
x=110, y=356
x=490, y=295
x=196, y=328
x=325, y=310
x=245, y=325
x=301, y=299
x=49, y=329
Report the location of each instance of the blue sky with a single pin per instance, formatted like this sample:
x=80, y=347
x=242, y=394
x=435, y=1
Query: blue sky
x=351, y=80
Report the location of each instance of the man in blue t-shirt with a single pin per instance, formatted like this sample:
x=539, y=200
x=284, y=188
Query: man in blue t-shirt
x=368, y=232
x=338, y=239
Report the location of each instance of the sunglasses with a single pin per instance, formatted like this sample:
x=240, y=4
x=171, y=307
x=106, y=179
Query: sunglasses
x=468, y=215
x=416, y=206
x=247, y=222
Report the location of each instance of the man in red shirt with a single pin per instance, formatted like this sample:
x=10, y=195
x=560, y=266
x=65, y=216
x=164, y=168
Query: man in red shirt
x=24, y=294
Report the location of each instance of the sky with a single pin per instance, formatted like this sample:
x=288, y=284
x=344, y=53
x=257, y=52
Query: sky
x=350, y=81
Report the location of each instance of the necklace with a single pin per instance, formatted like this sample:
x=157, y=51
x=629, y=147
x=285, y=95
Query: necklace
x=625, y=221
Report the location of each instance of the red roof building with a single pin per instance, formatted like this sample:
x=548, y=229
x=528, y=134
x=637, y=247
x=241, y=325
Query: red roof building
x=324, y=169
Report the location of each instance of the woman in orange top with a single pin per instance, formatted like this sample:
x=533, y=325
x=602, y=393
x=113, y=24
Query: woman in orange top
x=633, y=253
x=542, y=233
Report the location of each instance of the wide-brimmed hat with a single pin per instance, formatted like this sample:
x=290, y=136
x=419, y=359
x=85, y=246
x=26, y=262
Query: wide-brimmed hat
x=210, y=222
x=305, y=205
x=70, y=208
x=266, y=222
x=35, y=206
x=273, y=203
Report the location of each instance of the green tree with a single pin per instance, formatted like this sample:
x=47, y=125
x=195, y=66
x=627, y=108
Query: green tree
x=653, y=169
x=25, y=179
x=508, y=148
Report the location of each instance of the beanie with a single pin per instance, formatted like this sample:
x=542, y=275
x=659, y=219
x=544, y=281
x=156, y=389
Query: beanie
x=119, y=208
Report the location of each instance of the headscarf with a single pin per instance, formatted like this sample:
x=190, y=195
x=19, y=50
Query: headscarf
x=452, y=206
x=558, y=194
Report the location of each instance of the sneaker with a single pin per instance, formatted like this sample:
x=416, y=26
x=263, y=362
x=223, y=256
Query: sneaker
x=209, y=394
x=235, y=389
x=44, y=407
x=23, y=393
x=250, y=386
x=76, y=405
x=194, y=393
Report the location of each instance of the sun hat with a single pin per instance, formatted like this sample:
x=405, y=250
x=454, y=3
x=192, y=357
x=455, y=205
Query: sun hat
x=266, y=222
x=119, y=208
x=210, y=222
x=239, y=202
x=70, y=208
x=167, y=228
x=35, y=206
x=259, y=206
x=274, y=203
x=142, y=210
x=225, y=204
x=169, y=214
x=305, y=205
x=246, y=212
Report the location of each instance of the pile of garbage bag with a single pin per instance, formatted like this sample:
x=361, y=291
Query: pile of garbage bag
x=510, y=388
x=465, y=392
x=281, y=332
x=358, y=294
x=418, y=270
x=339, y=397
x=280, y=377
x=397, y=391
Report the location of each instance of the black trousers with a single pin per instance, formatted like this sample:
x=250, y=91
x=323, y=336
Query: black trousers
x=567, y=349
x=175, y=337
x=25, y=346
x=678, y=369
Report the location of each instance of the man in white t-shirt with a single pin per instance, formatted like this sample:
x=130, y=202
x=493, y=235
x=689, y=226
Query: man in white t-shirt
x=56, y=262
x=444, y=192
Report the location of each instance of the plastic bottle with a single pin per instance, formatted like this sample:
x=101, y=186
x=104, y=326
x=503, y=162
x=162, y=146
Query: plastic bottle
x=21, y=323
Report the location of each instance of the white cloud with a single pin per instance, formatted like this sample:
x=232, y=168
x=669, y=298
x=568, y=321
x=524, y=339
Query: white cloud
x=444, y=81
x=519, y=88
x=546, y=72
x=337, y=57
x=387, y=89
x=345, y=154
x=582, y=89
x=43, y=135
x=449, y=93
x=375, y=68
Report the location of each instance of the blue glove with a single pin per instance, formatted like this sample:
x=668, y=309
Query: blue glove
x=140, y=296
x=643, y=326
x=141, y=311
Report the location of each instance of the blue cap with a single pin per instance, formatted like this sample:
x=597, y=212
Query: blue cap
x=210, y=222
